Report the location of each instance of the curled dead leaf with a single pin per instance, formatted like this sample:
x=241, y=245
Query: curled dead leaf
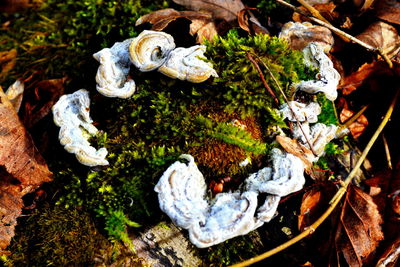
x=248, y=22
x=202, y=22
x=382, y=35
x=221, y=9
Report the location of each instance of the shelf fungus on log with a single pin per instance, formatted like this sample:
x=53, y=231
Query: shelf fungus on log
x=319, y=135
x=150, y=49
x=187, y=64
x=182, y=196
x=71, y=114
x=300, y=35
x=302, y=112
x=327, y=78
x=112, y=75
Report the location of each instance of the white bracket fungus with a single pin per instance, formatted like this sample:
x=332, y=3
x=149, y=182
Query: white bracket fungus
x=182, y=190
x=300, y=35
x=328, y=77
x=302, y=112
x=186, y=64
x=71, y=114
x=318, y=134
x=150, y=49
x=182, y=196
x=112, y=74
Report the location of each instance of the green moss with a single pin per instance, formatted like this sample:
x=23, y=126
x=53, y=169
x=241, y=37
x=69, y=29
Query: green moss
x=146, y=133
x=56, y=237
x=234, y=250
x=239, y=87
x=328, y=111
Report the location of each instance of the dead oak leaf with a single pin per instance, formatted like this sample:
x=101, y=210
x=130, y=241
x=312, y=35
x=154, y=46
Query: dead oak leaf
x=220, y=9
x=382, y=35
x=356, y=79
x=248, y=22
x=359, y=230
x=22, y=169
x=358, y=127
x=202, y=22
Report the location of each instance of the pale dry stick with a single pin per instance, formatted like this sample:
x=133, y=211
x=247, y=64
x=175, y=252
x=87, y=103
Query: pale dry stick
x=312, y=10
x=336, y=198
x=287, y=102
x=340, y=32
x=387, y=152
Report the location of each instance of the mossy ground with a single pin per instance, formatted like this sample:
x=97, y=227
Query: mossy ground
x=221, y=122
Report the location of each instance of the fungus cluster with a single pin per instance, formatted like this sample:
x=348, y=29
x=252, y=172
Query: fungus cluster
x=150, y=50
x=182, y=191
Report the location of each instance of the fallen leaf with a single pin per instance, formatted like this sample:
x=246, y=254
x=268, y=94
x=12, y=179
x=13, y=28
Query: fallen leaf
x=7, y=62
x=362, y=75
x=394, y=192
x=391, y=256
x=358, y=127
x=388, y=10
x=359, y=230
x=382, y=35
x=326, y=10
x=221, y=9
x=294, y=147
x=202, y=22
x=364, y=4
x=22, y=169
x=314, y=203
x=248, y=22
x=40, y=97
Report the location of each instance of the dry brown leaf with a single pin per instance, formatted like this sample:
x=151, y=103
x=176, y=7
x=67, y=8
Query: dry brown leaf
x=358, y=127
x=309, y=206
x=7, y=62
x=248, y=22
x=202, y=22
x=359, y=231
x=388, y=10
x=11, y=6
x=221, y=9
x=391, y=256
x=326, y=10
x=356, y=79
x=382, y=35
x=292, y=146
x=40, y=97
x=22, y=169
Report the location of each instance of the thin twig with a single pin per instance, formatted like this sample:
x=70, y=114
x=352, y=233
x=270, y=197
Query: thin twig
x=387, y=152
x=312, y=10
x=340, y=32
x=262, y=77
x=335, y=200
x=287, y=102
